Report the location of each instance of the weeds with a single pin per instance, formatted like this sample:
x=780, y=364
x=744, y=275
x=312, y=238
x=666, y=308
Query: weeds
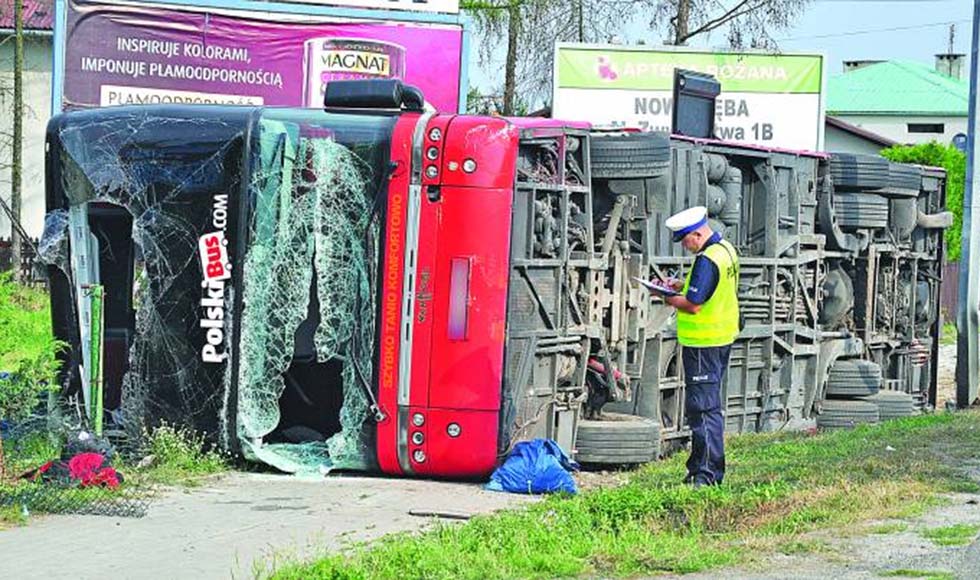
x=957, y=535
x=894, y=528
x=778, y=487
x=25, y=322
x=12, y=516
x=30, y=452
x=27, y=352
x=948, y=334
x=803, y=546
x=924, y=574
x=27, y=348
x=181, y=456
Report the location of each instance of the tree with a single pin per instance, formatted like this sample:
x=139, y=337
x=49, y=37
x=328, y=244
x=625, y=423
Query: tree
x=478, y=103
x=748, y=23
x=532, y=27
x=18, y=145
x=11, y=140
x=529, y=29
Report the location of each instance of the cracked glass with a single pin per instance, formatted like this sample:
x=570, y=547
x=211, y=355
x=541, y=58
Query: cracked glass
x=267, y=343
x=310, y=285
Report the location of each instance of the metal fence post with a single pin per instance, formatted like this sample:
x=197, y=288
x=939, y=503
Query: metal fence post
x=967, y=353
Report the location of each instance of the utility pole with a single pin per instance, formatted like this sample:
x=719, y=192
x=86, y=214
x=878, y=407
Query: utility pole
x=15, y=170
x=968, y=316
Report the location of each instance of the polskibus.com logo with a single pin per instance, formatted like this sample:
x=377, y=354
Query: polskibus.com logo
x=216, y=266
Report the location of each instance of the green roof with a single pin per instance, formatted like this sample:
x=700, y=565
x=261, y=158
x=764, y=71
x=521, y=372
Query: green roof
x=897, y=87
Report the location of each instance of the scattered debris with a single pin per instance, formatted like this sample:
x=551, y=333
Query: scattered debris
x=446, y=515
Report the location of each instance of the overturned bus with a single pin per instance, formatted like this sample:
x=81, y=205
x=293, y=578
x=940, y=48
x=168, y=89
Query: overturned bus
x=380, y=288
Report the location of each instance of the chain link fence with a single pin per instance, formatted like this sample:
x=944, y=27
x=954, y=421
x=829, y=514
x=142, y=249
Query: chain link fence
x=34, y=449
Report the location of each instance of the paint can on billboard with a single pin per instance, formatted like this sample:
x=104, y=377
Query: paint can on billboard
x=328, y=59
x=269, y=60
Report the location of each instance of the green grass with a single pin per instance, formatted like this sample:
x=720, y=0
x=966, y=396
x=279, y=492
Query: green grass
x=948, y=335
x=957, y=535
x=181, y=457
x=778, y=487
x=30, y=452
x=27, y=347
x=803, y=546
x=924, y=574
x=25, y=322
x=12, y=516
x=893, y=528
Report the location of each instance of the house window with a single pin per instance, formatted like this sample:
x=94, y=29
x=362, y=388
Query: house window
x=927, y=128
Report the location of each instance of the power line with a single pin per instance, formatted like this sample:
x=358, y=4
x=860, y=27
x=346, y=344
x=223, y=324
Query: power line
x=873, y=31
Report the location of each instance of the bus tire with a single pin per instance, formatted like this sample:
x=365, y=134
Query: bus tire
x=617, y=439
x=631, y=156
x=845, y=414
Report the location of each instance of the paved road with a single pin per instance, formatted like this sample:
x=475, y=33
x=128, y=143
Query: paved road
x=221, y=530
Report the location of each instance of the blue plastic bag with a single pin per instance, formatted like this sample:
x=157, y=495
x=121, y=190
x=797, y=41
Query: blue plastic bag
x=538, y=466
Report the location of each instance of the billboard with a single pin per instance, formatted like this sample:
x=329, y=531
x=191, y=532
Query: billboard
x=142, y=53
x=766, y=99
x=449, y=6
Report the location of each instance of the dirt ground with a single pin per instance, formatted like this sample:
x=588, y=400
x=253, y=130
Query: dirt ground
x=225, y=528
x=946, y=380
x=862, y=554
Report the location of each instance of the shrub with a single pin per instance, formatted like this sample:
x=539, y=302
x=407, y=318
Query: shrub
x=27, y=351
x=180, y=455
x=954, y=162
x=27, y=348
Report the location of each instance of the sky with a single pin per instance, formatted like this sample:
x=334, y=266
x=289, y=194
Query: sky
x=841, y=30
x=872, y=29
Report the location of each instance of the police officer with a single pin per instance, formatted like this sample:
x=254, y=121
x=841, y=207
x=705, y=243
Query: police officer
x=707, y=324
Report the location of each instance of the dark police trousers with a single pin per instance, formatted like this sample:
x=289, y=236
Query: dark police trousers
x=704, y=369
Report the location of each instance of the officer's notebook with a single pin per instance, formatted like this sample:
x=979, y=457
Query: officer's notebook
x=666, y=291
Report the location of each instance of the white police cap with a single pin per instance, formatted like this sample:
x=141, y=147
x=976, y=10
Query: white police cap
x=685, y=222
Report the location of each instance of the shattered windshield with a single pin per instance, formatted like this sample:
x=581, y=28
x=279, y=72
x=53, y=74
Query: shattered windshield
x=238, y=252
x=310, y=277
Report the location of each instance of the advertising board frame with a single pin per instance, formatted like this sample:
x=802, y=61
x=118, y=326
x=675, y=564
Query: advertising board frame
x=418, y=6
x=254, y=9
x=821, y=107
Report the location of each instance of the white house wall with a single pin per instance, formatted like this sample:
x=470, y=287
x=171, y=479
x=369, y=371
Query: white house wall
x=896, y=128
x=37, y=111
x=836, y=140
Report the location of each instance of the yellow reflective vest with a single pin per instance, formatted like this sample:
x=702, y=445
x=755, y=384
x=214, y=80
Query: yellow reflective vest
x=716, y=324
